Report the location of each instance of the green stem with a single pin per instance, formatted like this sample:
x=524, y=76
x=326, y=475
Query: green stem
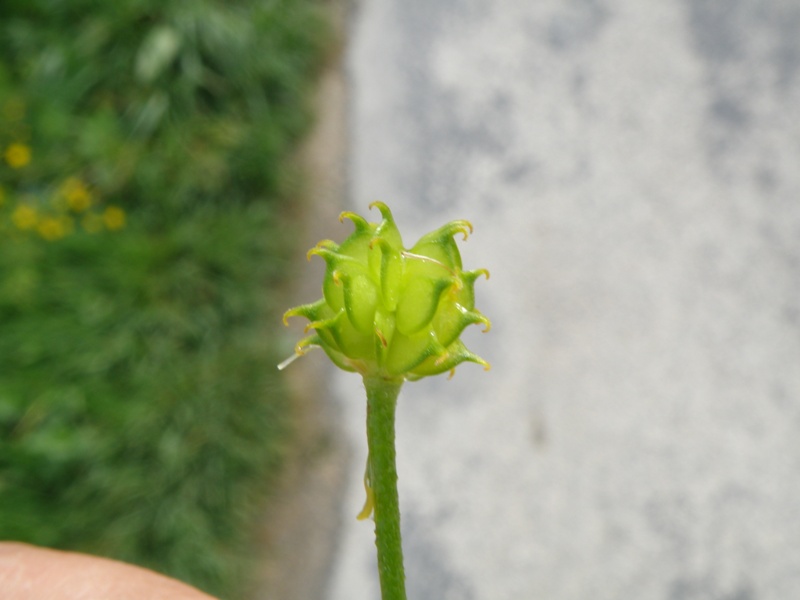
x=381, y=402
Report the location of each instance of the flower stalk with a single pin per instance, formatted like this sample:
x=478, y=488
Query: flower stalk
x=382, y=480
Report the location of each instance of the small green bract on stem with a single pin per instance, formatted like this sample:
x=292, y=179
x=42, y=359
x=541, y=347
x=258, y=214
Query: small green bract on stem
x=391, y=314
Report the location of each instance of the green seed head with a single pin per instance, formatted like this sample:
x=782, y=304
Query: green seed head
x=392, y=312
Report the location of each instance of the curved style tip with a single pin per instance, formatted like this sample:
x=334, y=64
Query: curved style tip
x=386, y=213
x=325, y=252
x=324, y=323
x=322, y=246
x=292, y=312
x=478, y=361
x=358, y=221
x=305, y=345
x=472, y=276
x=309, y=311
x=463, y=227
x=381, y=242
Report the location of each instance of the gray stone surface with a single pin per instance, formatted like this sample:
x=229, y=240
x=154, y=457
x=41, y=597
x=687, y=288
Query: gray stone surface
x=632, y=170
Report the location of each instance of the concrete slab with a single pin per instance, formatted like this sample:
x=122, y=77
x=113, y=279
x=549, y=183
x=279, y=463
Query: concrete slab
x=631, y=169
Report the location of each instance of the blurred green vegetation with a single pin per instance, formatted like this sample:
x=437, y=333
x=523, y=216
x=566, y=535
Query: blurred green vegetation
x=145, y=175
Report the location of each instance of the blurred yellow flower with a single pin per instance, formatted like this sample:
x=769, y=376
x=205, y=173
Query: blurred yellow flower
x=77, y=195
x=54, y=228
x=114, y=218
x=24, y=217
x=17, y=155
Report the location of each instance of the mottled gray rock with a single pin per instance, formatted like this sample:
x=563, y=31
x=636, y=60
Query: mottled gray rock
x=631, y=169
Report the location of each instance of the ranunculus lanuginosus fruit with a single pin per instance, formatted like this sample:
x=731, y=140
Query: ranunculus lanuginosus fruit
x=392, y=312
